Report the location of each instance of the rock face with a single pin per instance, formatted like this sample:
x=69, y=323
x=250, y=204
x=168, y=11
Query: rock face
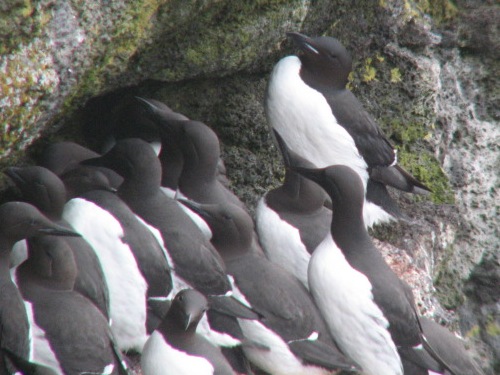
x=427, y=70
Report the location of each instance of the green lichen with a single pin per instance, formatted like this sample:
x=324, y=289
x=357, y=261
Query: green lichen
x=25, y=77
x=28, y=75
x=492, y=328
x=369, y=72
x=473, y=332
x=20, y=22
x=441, y=11
x=395, y=75
x=409, y=124
x=219, y=36
x=427, y=170
x=134, y=24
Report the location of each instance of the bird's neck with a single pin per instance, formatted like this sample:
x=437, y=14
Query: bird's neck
x=139, y=186
x=347, y=224
x=171, y=165
x=170, y=326
x=324, y=87
x=59, y=273
x=198, y=169
x=5, y=250
x=309, y=196
x=6, y=246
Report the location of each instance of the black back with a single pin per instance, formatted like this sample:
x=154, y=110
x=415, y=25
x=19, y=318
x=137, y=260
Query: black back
x=78, y=332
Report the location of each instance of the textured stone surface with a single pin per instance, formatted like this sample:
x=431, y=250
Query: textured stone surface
x=427, y=70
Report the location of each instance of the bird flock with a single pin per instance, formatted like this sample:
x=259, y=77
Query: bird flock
x=145, y=249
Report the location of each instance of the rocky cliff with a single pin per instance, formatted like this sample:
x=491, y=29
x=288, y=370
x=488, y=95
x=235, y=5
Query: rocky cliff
x=427, y=70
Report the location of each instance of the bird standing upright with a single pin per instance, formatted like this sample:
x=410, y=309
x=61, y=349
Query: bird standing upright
x=320, y=119
x=292, y=219
x=293, y=337
x=352, y=245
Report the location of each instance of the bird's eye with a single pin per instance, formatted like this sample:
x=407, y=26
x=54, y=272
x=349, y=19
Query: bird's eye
x=180, y=297
x=226, y=217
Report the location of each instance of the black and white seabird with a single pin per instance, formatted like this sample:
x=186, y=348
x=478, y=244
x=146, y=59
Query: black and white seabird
x=171, y=126
x=46, y=191
x=168, y=123
x=198, y=181
x=195, y=262
x=351, y=244
x=292, y=220
x=128, y=288
x=293, y=337
x=18, y=220
x=170, y=155
x=70, y=335
x=89, y=184
x=176, y=348
x=320, y=119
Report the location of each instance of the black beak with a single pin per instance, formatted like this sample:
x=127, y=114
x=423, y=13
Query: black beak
x=187, y=321
x=111, y=189
x=165, y=120
x=148, y=106
x=58, y=231
x=196, y=207
x=316, y=175
x=302, y=41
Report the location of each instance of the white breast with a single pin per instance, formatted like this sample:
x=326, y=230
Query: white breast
x=159, y=358
x=40, y=350
x=216, y=338
x=344, y=297
x=279, y=360
x=127, y=287
x=304, y=119
x=281, y=242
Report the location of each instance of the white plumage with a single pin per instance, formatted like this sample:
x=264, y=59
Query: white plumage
x=159, y=358
x=344, y=297
x=203, y=328
x=281, y=242
x=304, y=119
x=40, y=350
x=279, y=360
x=127, y=287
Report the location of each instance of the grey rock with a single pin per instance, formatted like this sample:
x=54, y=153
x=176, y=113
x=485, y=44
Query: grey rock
x=427, y=71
